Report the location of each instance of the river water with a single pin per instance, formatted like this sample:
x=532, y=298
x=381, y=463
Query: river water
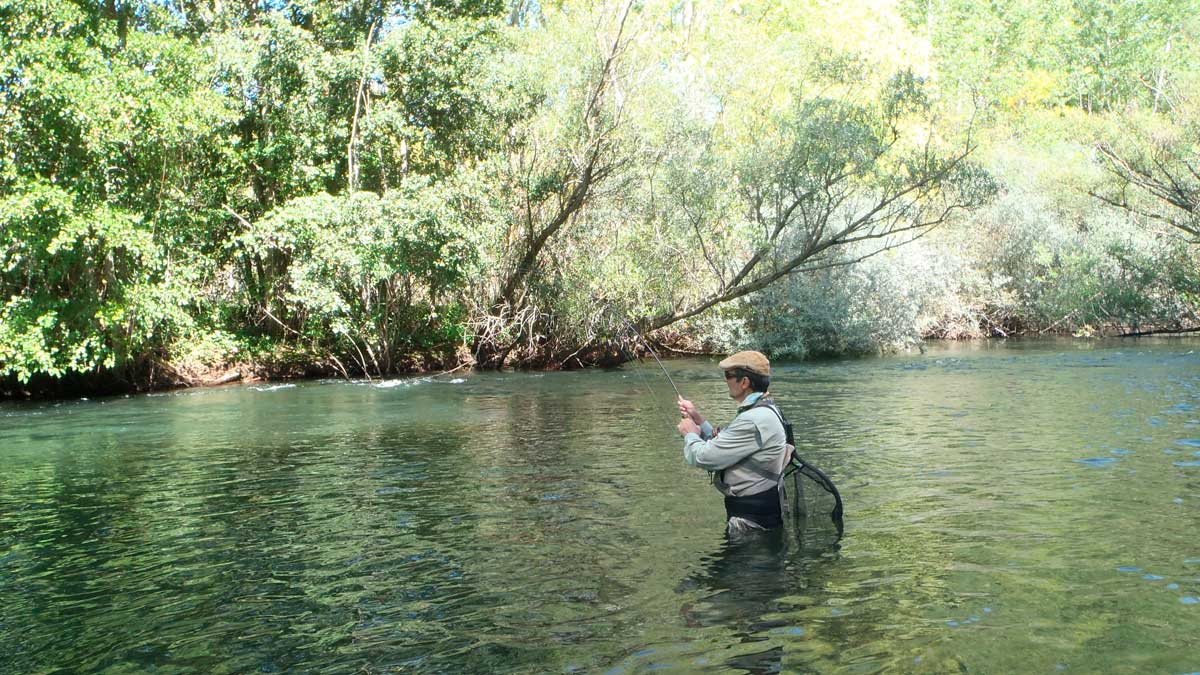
x=1020, y=507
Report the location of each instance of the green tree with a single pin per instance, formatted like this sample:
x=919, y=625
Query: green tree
x=364, y=280
x=107, y=122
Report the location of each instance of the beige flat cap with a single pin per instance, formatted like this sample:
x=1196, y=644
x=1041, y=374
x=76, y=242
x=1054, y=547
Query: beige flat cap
x=754, y=362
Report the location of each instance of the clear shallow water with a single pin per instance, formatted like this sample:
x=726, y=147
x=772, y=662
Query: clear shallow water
x=1030, y=507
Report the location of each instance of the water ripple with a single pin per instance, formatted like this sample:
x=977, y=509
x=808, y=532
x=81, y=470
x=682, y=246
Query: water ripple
x=515, y=523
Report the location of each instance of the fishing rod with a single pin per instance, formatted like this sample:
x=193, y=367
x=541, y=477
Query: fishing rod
x=655, y=355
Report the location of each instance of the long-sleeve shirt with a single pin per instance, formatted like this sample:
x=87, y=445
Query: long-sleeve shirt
x=750, y=450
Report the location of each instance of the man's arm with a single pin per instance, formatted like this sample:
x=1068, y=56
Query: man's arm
x=734, y=443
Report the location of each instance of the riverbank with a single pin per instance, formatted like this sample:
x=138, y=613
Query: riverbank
x=283, y=367
x=115, y=382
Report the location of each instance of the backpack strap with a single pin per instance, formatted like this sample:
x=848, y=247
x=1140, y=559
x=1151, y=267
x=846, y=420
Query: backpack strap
x=787, y=426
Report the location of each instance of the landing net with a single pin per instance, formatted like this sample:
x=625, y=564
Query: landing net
x=811, y=501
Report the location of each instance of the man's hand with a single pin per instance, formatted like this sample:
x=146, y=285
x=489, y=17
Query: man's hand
x=687, y=426
x=687, y=409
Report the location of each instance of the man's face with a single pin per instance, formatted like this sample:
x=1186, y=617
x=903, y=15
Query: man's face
x=739, y=387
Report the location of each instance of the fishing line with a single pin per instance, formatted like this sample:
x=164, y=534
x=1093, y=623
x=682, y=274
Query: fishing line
x=641, y=371
x=655, y=355
x=641, y=363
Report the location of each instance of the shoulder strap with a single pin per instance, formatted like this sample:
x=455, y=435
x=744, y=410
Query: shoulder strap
x=769, y=405
x=749, y=461
x=787, y=426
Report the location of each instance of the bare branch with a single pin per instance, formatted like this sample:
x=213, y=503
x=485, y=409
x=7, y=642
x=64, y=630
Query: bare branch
x=1160, y=182
x=360, y=99
x=896, y=211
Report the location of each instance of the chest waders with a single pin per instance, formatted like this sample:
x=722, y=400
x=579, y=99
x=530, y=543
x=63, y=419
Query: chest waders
x=790, y=497
x=764, y=508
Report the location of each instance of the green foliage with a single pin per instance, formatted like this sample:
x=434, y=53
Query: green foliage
x=107, y=126
x=435, y=99
x=283, y=85
x=852, y=310
x=370, y=186
x=1113, y=275
x=1065, y=261
x=141, y=149
x=82, y=289
x=1043, y=256
x=886, y=303
x=1097, y=55
x=1152, y=168
x=372, y=279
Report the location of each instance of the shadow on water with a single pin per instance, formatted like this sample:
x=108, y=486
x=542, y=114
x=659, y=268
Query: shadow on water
x=743, y=581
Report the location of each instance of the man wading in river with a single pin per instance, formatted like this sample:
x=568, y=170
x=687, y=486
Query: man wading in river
x=747, y=458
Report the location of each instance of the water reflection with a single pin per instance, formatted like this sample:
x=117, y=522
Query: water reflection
x=739, y=586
